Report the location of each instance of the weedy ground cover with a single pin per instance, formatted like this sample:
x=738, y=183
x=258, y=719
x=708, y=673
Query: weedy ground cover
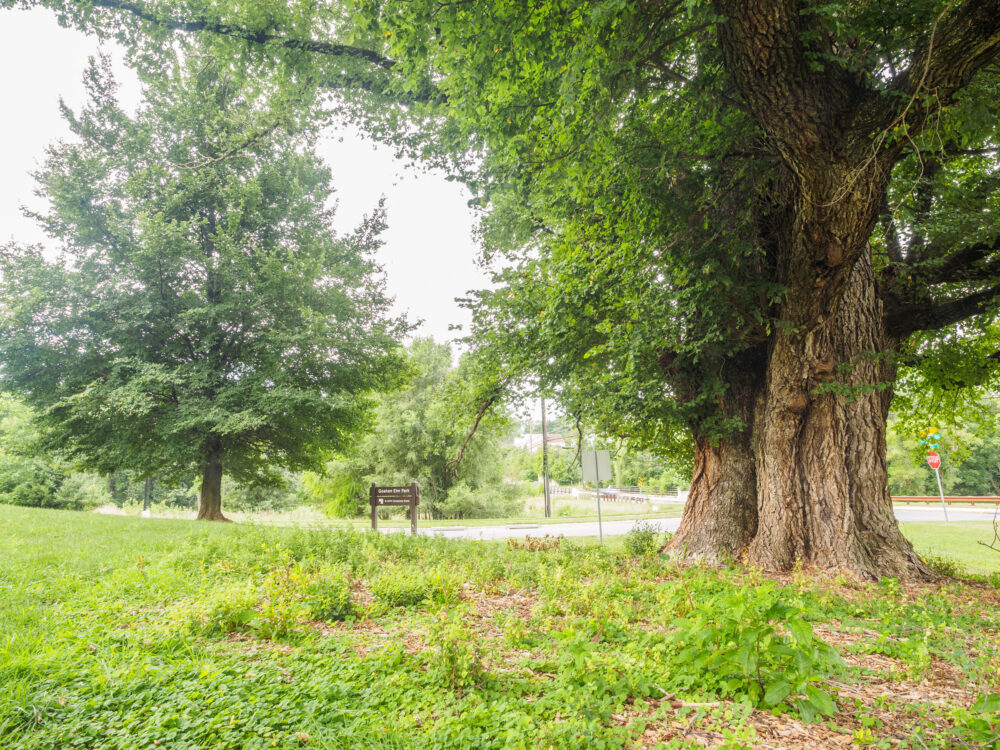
x=123, y=633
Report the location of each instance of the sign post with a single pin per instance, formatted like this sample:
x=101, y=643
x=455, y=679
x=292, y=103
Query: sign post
x=931, y=438
x=597, y=467
x=545, y=464
x=407, y=494
x=934, y=461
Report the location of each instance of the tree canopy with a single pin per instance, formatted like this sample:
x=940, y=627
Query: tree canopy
x=738, y=219
x=201, y=314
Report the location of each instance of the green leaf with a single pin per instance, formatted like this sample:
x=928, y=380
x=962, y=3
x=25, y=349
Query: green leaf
x=776, y=692
x=987, y=704
x=821, y=700
x=801, y=631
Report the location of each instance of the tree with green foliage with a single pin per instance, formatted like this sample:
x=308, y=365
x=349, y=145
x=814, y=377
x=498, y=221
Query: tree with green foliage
x=33, y=476
x=970, y=458
x=739, y=220
x=732, y=220
x=201, y=316
x=415, y=434
x=527, y=466
x=654, y=473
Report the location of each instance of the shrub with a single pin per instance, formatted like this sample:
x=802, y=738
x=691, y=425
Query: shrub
x=459, y=658
x=644, y=538
x=41, y=483
x=283, y=606
x=747, y=643
x=226, y=609
x=488, y=573
x=342, y=494
x=30, y=475
x=328, y=595
x=946, y=566
x=485, y=502
x=443, y=586
x=82, y=491
x=951, y=568
x=535, y=543
x=248, y=498
x=399, y=587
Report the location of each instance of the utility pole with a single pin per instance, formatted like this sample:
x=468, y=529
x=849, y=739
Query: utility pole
x=545, y=463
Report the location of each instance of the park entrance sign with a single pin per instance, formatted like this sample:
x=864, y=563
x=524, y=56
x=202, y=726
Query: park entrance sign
x=407, y=494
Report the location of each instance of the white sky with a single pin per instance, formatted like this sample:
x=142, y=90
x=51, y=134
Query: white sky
x=429, y=254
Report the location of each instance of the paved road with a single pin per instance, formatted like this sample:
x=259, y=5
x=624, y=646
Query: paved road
x=613, y=528
x=932, y=513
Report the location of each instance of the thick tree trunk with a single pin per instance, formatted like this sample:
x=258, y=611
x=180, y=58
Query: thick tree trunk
x=210, y=504
x=720, y=516
x=823, y=496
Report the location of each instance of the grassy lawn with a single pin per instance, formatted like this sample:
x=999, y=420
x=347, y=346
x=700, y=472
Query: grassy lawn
x=126, y=633
x=958, y=541
x=566, y=509
x=955, y=543
x=574, y=514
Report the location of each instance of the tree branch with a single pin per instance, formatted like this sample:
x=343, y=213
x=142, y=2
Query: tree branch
x=893, y=246
x=966, y=264
x=669, y=73
x=494, y=396
x=930, y=166
x=961, y=265
x=258, y=37
x=905, y=319
x=963, y=41
x=768, y=46
x=966, y=39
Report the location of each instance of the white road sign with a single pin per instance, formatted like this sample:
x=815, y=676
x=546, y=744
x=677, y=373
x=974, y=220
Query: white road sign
x=596, y=466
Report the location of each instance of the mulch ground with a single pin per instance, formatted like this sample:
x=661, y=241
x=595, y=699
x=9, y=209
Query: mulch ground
x=883, y=704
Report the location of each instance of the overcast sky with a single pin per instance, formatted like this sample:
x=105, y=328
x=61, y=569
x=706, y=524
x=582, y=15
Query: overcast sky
x=429, y=254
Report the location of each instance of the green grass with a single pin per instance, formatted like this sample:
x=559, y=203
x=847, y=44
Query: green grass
x=958, y=541
x=122, y=633
x=577, y=517
x=566, y=509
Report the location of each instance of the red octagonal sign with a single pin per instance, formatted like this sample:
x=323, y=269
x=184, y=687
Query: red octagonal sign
x=934, y=460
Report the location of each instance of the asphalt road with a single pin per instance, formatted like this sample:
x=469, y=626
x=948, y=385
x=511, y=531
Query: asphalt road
x=613, y=528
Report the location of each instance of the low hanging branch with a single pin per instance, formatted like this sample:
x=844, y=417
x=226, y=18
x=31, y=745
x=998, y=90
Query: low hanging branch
x=495, y=395
x=995, y=544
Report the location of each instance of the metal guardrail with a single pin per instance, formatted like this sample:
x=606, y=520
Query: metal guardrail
x=949, y=499
x=629, y=494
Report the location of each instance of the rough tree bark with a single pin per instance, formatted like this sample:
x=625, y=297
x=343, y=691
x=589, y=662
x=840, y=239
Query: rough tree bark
x=838, y=512
x=874, y=542
x=720, y=515
x=210, y=504
x=823, y=496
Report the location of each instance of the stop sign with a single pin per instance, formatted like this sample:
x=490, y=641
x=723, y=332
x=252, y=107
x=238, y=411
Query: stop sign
x=933, y=460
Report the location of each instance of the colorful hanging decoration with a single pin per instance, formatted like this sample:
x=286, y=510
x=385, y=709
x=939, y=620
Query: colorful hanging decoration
x=931, y=438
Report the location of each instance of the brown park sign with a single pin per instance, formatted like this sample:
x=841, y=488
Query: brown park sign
x=407, y=494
